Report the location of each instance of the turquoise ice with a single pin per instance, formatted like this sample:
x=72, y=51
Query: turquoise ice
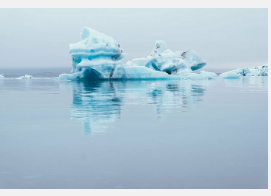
x=97, y=57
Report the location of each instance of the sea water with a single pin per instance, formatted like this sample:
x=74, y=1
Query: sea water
x=134, y=134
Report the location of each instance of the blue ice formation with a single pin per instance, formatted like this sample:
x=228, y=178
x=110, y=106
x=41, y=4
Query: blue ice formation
x=253, y=71
x=163, y=59
x=97, y=57
x=2, y=76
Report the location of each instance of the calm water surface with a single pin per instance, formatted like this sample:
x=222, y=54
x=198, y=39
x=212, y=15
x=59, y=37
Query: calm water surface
x=134, y=134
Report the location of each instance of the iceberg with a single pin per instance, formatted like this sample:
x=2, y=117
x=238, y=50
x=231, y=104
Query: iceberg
x=2, y=76
x=163, y=59
x=97, y=57
x=253, y=71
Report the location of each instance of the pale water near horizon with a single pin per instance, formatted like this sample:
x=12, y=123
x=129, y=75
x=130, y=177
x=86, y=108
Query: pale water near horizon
x=134, y=134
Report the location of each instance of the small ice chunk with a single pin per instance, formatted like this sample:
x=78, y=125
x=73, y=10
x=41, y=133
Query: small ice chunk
x=252, y=71
x=230, y=75
x=65, y=76
x=208, y=75
x=2, y=76
x=198, y=76
x=25, y=77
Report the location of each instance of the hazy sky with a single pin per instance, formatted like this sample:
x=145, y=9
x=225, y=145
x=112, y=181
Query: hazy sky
x=225, y=38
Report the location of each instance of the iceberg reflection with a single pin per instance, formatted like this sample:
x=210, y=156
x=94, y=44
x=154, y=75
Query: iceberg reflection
x=96, y=104
x=99, y=103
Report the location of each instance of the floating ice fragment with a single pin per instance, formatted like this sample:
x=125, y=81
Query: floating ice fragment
x=206, y=75
x=194, y=76
x=163, y=59
x=230, y=74
x=253, y=71
x=25, y=77
x=2, y=76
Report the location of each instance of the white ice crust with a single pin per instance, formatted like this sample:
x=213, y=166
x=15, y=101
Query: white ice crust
x=97, y=56
x=253, y=71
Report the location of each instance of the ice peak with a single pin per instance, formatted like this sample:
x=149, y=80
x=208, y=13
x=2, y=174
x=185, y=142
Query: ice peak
x=160, y=46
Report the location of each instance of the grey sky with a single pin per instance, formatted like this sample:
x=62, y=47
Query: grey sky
x=225, y=38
